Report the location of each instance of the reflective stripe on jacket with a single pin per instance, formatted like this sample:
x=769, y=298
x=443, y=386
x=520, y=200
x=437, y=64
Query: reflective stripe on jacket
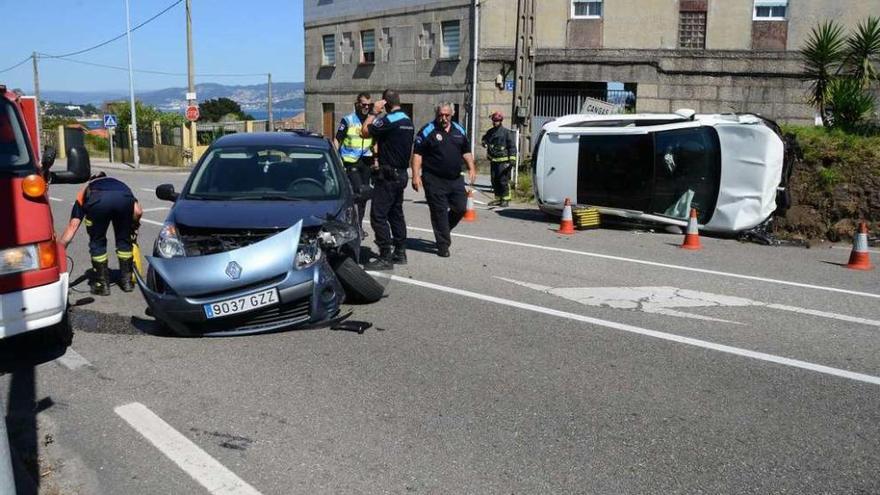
x=354, y=147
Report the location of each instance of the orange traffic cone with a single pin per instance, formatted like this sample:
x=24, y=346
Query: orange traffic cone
x=692, y=237
x=860, y=259
x=470, y=214
x=566, y=225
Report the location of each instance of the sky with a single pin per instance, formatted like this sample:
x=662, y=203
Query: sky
x=229, y=37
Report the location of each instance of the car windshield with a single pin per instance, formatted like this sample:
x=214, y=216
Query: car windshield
x=663, y=173
x=266, y=173
x=14, y=155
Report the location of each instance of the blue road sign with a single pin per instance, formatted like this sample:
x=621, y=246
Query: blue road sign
x=508, y=85
x=109, y=120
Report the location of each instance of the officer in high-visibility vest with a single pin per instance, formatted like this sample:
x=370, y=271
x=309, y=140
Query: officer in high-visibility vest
x=500, y=144
x=102, y=202
x=357, y=152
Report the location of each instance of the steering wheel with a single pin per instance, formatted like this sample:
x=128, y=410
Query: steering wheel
x=306, y=181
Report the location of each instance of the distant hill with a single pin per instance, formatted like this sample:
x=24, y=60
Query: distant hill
x=285, y=96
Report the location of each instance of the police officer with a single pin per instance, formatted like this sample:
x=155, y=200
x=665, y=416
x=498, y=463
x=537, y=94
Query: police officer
x=500, y=144
x=393, y=132
x=103, y=201
x=440, y=148
x=357, y=152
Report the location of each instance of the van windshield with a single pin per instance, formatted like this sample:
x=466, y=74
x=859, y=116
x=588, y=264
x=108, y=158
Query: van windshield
x=662, y=173
x=14, y=156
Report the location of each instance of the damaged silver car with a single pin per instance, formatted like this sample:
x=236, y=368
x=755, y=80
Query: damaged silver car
x=263, y=236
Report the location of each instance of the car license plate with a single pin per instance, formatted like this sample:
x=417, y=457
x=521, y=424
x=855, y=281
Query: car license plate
x=241, y=304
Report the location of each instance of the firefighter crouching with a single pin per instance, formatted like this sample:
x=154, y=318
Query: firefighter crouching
x=102, y=202
x=500, y=144
x=357, y=153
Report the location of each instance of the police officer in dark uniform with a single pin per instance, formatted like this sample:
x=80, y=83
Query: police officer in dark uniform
x=357, y=152
x=393, y=132
x=500, y=144
x=103, y=201
x=440, y=148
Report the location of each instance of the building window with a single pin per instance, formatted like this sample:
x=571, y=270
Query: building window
x=692, y=29
x=368, y=47
x=329, y=44
x=771, y=10
x=450, y=31
x=586, y=9
x=345, y=48
x=426, y=41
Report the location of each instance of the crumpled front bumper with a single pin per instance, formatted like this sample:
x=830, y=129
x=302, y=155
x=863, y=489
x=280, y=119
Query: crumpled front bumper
x=178, y=289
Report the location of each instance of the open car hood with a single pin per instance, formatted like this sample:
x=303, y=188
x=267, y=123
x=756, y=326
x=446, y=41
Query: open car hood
x=258, y=262
x=751, y=170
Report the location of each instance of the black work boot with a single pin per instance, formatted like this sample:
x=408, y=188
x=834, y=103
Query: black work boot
x=101, y=278
x=126, y=275
x=399, y=257
x=383, y=262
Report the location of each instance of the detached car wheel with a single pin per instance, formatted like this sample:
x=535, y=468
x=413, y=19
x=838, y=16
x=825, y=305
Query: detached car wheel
x=360, y=286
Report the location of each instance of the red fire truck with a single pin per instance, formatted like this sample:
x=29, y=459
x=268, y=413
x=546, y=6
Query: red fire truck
x=33, y=265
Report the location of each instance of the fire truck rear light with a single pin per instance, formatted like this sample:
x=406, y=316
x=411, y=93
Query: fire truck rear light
x=48, y=254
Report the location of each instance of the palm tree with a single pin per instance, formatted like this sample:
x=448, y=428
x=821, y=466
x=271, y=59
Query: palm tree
x=863, y=46
x=823, y=54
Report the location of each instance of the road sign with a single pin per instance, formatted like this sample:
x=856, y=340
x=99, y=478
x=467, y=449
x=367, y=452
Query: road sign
x=192, y=113
x=190, y=96
x=508, y=85
x=110, y=121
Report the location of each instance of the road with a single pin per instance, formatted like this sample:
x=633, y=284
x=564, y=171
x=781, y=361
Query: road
x=606, y=362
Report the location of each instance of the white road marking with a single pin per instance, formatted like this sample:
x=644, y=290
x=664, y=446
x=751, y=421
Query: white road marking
x=737, y=351
x=658, y=300
x=850, y=249
x=194, y=461
x=160, y=208
x=72, y=360
x=146, y=189
x=661, y=265
x=52, y=198
x=151, y=222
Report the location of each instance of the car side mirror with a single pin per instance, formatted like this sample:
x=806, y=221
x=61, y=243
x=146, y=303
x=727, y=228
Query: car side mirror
x=79, y=168
x=48, y=158
x=166, y=192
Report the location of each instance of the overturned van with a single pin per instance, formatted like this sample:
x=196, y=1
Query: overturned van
x=733, y=168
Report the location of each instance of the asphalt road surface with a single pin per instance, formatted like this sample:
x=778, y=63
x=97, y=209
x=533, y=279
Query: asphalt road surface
x=606, y=362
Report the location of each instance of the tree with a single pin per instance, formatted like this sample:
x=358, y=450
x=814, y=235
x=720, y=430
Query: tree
x=215, y=110
x=823, y=54
x=861, y=48
x=146, y=115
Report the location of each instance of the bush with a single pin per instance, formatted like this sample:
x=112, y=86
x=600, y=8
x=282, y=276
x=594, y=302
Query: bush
x=97, y=143
x=836, y=185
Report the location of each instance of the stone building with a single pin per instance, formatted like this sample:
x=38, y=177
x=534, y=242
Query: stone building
x=645, y=55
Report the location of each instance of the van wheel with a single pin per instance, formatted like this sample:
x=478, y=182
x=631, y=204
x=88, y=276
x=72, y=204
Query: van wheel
x=360, y=286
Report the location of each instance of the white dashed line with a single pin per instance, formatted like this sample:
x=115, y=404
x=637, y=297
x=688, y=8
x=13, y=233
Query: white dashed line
x=72, y=360
x=148, y=190
x=161, y=208
x=151, y=222
x=59, y=200
x=661, y=265
x=197, y=463
x=760, y=356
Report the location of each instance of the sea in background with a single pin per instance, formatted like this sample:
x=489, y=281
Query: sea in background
x=276, y=114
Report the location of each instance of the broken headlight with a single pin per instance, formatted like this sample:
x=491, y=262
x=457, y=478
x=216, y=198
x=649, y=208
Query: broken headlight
x=307, y=255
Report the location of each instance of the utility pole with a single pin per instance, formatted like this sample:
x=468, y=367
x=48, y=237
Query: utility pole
x=34, y=59
x=269, y=106
x=191, y=96
x=523, y=96
x=134, y=132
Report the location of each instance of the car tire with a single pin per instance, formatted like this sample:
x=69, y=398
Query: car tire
x=360, y=286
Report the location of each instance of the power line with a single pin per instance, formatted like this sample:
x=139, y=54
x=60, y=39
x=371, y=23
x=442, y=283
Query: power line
x=16, y=65
x=159, y=72
x=99, y=45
